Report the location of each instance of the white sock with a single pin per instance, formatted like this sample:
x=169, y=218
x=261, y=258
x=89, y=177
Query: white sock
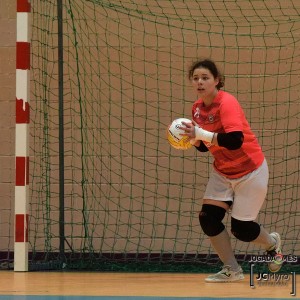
x=265, y=239
x=222, y=245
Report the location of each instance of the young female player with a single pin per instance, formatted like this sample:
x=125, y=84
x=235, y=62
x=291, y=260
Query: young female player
x=239, y=177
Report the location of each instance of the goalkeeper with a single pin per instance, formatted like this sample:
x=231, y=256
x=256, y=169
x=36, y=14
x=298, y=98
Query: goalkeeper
x=239, y=177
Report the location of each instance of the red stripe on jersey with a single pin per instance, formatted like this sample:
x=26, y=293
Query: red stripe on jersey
x=23, y=56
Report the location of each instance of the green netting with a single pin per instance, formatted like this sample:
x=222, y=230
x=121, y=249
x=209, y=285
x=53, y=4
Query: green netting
x=132, y=202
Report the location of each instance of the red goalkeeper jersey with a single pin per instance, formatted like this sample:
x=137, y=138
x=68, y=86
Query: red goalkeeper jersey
x=222, y=116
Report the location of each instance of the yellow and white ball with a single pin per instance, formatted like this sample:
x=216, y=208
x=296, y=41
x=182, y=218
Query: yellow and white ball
x=176, y=140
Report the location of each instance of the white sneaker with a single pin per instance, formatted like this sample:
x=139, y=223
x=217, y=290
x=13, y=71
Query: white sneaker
x=226, y=275
x=275, y=252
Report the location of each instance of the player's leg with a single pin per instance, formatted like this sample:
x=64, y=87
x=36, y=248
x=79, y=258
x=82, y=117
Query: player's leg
x=250, y=231
x=210, y=217
x=250, y=193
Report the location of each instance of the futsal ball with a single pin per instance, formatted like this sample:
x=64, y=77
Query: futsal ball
x=176, y=140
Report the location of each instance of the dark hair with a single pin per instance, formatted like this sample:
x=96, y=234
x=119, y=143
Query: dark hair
x=209, y=65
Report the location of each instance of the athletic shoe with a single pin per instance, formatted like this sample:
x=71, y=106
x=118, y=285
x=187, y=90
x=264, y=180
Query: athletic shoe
x=226, y=275
x=275, y=252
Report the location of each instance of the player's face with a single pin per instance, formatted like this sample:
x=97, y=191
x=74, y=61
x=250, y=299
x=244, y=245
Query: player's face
x=204, y=83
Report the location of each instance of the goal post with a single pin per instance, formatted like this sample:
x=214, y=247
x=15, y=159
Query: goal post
x=22, y=136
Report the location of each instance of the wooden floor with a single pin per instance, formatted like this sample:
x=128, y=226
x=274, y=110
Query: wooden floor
x=133, y=284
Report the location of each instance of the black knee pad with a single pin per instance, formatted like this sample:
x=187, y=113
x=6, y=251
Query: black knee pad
x=210, y=218
x=246, y=231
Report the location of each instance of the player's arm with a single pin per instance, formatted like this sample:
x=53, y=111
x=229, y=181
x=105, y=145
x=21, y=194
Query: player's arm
x=231, y=140
x=231, y=115
x=201, y=147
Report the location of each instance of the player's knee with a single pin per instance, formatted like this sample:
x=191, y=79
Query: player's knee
x=246, y=231
x=210, y=218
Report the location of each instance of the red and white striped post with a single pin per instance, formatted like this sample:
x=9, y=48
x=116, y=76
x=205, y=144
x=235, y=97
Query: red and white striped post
x=22, y=133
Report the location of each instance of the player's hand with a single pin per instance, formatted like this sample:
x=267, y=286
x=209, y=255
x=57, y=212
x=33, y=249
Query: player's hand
x=189, y=129
x=193, y=131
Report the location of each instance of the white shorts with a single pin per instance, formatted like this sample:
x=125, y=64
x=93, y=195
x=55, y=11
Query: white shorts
x=247, y=193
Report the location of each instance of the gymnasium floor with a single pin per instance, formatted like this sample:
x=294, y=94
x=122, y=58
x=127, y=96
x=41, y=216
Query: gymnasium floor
x=34, y=297
x=130, y=286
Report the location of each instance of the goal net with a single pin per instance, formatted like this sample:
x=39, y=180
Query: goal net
x=131, y=202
